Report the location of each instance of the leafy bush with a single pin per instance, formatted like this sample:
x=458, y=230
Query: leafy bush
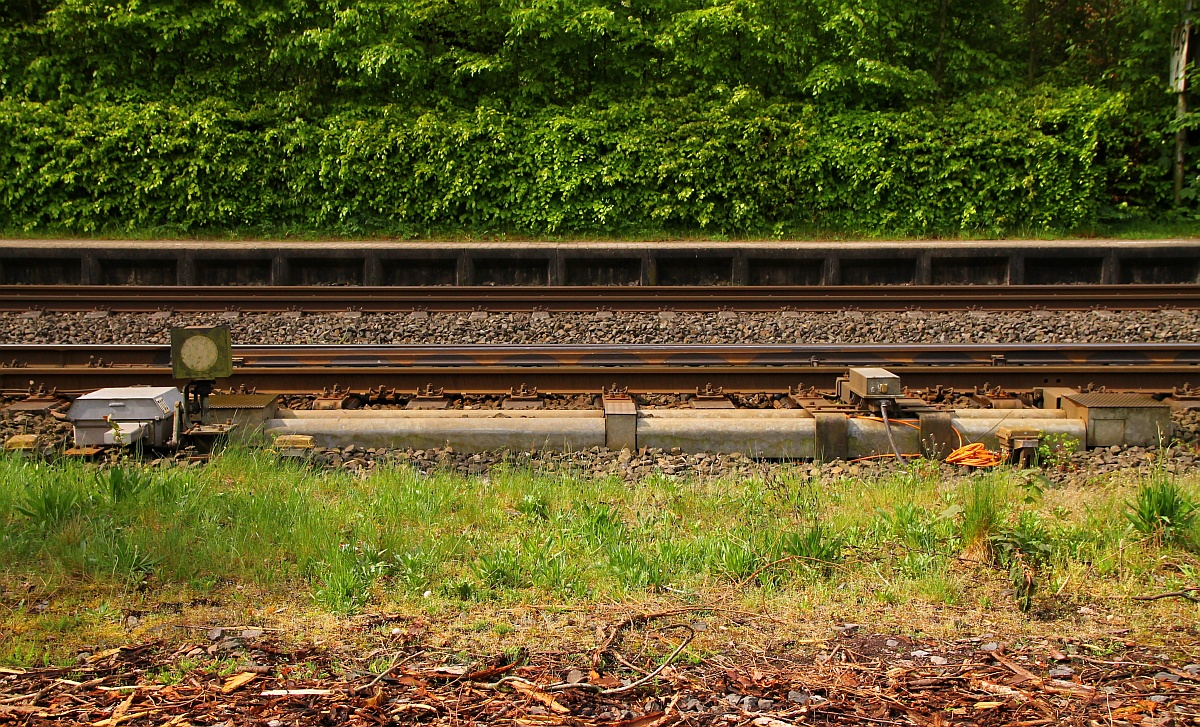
x=733, y=161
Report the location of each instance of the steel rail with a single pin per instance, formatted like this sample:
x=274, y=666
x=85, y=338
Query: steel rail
x=16, y=355
x=589, y=369
x=331, y=299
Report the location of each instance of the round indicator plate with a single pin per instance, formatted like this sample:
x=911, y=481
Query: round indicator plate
x=198, y=354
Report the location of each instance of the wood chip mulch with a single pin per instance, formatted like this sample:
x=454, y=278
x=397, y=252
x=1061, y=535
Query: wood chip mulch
x=848, y=680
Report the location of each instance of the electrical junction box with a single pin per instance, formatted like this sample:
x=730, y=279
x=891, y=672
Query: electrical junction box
x=873, y=383
x=1133, y=420
x=123, y=415
x=201, y=354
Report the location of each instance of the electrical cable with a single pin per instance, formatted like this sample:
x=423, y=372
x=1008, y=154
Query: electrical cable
x=974, y=455
x=887, y=427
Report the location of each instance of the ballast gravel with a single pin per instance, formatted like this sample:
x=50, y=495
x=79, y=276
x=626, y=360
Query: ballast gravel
x=792, y=327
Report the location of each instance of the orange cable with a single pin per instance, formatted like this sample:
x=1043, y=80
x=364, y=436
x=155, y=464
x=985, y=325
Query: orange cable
x=974, y=455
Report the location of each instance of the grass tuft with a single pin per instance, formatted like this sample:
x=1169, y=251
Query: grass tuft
x=1161, y=512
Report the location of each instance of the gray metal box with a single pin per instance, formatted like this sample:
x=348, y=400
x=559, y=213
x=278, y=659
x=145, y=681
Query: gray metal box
x=874, y=383
x=125, y=415
x=1134, y=420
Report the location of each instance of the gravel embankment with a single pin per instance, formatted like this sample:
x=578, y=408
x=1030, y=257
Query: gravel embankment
x=796, y=327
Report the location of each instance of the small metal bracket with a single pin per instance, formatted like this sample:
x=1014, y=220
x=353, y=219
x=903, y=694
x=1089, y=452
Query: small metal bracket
x=996, y=398
x=711, y=397
x=428, y=397
x=330, y=399
x=523, y=397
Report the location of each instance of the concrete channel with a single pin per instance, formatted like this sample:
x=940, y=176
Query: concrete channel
x=692, y=263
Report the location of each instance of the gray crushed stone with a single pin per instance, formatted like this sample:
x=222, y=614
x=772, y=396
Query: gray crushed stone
x=1169, y=325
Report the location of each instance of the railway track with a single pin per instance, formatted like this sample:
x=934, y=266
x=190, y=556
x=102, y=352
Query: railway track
x=571, y=369
x=329, y=299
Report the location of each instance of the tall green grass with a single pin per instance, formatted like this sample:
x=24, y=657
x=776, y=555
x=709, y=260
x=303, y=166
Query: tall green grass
x=351, y=539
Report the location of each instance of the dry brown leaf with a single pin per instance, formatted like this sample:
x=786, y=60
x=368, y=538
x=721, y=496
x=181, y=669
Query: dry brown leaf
x=988, y=705
x=984, y=685
x=375, y=699
x=237, y=681
x=607, y=681
x=650, y=720
x=537, y=694
x=19, y=709
x=488, y=674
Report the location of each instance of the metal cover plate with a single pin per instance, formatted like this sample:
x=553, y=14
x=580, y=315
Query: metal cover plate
x=241, y=401
x=1099, y=400
x=33, y=406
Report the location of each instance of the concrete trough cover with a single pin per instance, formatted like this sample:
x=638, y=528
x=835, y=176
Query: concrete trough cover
x=1102, y=400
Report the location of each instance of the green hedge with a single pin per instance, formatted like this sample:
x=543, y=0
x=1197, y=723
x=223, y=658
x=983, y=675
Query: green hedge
x=731, y=162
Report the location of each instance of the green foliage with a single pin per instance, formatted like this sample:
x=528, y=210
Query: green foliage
x=818, y=547
x=383, y=117
x=1162, y=512
x=636, y=568
x=1055, y=450
x=123, y=482
x=501, y=568
x=981, y=515
x=1029, y=537
x=52, y=501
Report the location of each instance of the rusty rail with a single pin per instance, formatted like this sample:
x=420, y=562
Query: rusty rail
x=588, y=369
x=328, y=299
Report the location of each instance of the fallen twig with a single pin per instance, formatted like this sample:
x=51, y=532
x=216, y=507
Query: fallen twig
x=1185, y=593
